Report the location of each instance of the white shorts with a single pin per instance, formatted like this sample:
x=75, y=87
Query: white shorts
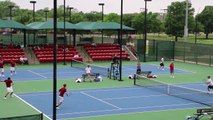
x=2, y=70
x=10, y=89
x=61, y=99
x=12, y=68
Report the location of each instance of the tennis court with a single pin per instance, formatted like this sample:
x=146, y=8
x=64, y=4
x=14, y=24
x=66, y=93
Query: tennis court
x=95, y=102
x=109, y=98
x=68, y=72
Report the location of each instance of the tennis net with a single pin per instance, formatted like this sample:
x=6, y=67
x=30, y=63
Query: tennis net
x=104, y=71
x=194, y=95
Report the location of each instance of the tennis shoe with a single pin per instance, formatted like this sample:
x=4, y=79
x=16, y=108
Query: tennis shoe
x=2, y=75
x=5, y=98
x=57, y=108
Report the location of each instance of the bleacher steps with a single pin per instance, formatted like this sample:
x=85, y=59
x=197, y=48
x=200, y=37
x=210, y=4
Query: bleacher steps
x=83, y=53
x=32, y=59
x=131, y=55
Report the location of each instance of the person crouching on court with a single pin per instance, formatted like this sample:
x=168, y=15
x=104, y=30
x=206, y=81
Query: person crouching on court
x=209, y=82
x=62, y=91
x=9, y=83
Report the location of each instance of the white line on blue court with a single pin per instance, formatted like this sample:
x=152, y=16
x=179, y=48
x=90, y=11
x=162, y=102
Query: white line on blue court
x=101, y=100
x=36, y=73
x=95, y=111
x=128, y=109
x=131, y=97
x=32, y=106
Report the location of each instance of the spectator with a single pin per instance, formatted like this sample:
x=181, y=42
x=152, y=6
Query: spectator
x=23, y=60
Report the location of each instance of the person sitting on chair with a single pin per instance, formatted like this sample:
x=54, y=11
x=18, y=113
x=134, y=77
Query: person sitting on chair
x=114, y=59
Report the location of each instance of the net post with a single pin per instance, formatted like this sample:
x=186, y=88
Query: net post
x=168, y=89
x=42, y=117
x=134, y=77
x=71, y=62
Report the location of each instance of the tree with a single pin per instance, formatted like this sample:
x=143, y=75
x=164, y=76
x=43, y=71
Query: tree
x=112, y=17
x=5, y=9
x=206, y=18
x=93, y=16
x=175, y=19
x=138, y=22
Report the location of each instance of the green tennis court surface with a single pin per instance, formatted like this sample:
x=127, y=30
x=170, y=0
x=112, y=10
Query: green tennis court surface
x=15, y=107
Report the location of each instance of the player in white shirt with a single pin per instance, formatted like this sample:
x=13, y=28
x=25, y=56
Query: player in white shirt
x=209, y=82
x=162, y=63
x=88, y=72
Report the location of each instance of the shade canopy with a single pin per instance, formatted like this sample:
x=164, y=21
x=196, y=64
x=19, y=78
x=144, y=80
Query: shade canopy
x=12, y=24
x=102, y=26
x=49, y=25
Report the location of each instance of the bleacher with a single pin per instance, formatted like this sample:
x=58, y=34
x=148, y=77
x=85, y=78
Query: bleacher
x=104, y=52
x=45, y=53
x=11, y=52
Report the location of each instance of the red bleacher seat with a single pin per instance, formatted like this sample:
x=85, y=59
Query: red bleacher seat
x=45, y=53
x=104, y=51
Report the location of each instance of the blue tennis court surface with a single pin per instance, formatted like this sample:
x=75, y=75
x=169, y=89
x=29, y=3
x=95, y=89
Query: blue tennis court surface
x=70, y=73
x=108, y=101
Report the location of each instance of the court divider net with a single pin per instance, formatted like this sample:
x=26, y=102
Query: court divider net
x=194, y=95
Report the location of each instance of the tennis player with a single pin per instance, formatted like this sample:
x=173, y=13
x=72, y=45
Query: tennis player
x=138, y=71
x=9, y=83
x=1, y=67
x=88, y=72
x=162, y=63
x=12, y=67
x=171, y=66
x=62, y=91
x=209, y=82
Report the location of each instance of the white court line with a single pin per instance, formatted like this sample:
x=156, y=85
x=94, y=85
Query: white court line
x=74, y=113
x=32, y=106
x=37, y=74
x=175, y=68
x=94, y=116
x=131, y=97
x=101, y=100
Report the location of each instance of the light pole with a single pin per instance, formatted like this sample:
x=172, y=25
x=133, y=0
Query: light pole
x=46, y=12
x=33, y=2
x=186, y=22
x=70, y=12
x=11, y=7
x=145, y=30
x=70, y=18
x=120, y=41
x=64, y=32
x=102, y=17
x=55, y=59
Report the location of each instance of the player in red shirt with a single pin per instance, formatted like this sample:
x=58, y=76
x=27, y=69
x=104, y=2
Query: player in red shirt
x=62, y=91
x=9, y=83
x=12, y=67
x=171, y=66
x=1, y=67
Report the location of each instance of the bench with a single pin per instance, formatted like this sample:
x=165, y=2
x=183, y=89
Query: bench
x=92, y=75
x=203, y=111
